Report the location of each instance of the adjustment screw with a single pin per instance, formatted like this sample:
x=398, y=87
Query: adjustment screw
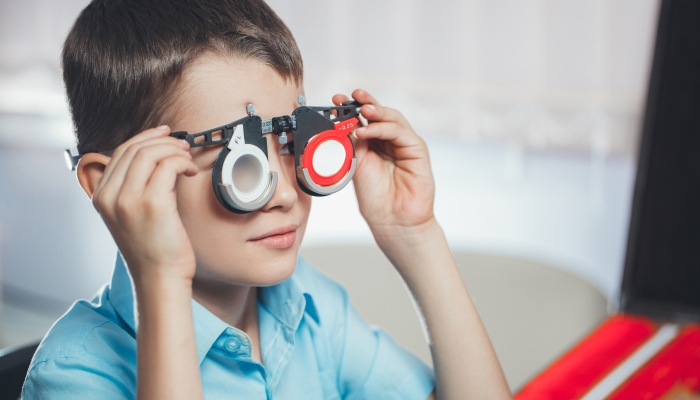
x=250, y=109
x=301, y=100
x=282, y=138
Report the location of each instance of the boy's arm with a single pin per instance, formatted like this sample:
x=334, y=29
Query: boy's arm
x=134, y=193
x=395, y=192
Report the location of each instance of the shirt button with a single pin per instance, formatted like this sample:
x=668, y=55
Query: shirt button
x=232, y=344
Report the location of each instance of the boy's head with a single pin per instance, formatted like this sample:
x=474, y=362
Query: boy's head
x=130, y=65
x=123, y=59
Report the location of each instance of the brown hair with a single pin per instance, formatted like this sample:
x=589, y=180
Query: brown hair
x=123, y=59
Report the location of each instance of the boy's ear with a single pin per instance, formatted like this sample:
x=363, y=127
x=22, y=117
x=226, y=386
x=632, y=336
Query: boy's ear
x=90, y=169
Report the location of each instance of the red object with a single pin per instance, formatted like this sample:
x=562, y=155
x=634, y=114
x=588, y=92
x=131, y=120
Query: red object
x=340, y=134
x=591, y=360
x=678, y=363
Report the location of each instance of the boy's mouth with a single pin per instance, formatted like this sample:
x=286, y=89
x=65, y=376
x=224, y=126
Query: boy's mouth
x=279, y=238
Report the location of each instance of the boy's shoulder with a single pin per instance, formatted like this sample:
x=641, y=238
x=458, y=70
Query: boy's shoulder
x=92, y=332
x=94, y=328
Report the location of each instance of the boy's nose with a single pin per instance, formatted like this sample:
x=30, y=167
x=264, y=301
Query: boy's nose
x=285, y=194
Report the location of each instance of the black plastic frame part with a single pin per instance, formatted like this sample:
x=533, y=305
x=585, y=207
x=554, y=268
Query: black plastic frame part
x=252, y=128
x=226, y=134
x=666, y=176
x=278, y=125
x=310, y=123
x=252, y=131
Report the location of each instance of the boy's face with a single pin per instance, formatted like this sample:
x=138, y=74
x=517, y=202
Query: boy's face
x=259, y=248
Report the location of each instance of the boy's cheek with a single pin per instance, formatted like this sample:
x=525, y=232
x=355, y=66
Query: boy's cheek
x=304, y=203
x=193, y=190
x=204, y=157
x=219, y=236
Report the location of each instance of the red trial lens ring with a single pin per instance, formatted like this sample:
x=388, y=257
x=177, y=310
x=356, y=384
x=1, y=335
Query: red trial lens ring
x=339, y=135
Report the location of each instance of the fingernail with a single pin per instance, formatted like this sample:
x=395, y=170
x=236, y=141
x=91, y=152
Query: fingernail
x=162, y=128
x=371, y=107
x=361, y=130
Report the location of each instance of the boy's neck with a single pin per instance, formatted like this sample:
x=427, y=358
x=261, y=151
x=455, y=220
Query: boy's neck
x=233, y=304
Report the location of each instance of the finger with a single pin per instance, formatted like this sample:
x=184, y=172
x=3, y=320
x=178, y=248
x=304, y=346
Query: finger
x=375, y=112
x=109, y=187
x=391, y=131
x=364, y=97
x=165, y=175
x=145, y=162
x=148, y=134
x=118, y=166
x=339, y=98
x=160, y=131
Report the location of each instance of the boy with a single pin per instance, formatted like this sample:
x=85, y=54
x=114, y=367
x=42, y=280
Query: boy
x=223, y=306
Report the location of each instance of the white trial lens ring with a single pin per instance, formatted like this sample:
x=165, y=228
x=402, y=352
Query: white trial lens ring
x=246, y=170
x=226, y=191
x=305, y=178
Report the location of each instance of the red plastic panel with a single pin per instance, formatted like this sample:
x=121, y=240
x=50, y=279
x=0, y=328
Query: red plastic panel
x=678, y=363
x=590, y=360
x=340, y=134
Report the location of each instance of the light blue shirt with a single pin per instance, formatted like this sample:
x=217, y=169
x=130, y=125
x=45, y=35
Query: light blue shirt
x=314, y=346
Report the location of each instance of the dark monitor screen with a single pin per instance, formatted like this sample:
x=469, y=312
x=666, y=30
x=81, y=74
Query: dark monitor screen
x=662, y=267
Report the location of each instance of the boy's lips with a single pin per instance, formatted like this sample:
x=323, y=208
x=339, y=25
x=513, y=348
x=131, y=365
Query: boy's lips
x=279, y=238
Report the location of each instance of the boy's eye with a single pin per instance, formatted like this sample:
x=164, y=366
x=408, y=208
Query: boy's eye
x=287, y=148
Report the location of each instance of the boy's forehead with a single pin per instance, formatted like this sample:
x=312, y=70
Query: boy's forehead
x=215, y=90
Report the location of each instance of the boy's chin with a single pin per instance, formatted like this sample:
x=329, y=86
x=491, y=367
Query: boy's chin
x=268, y=270
x=272, y=272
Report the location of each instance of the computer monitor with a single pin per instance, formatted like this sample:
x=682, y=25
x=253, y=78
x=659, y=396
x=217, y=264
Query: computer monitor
x=662, y=266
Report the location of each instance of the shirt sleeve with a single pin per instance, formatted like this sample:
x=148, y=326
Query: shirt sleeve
x=374, y=366
x=73, y=378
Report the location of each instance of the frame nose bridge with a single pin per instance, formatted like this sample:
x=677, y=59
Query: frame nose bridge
x=282, y=164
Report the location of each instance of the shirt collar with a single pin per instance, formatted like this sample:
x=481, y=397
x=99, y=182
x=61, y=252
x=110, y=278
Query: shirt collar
x=121, y=293
x=287, y=301
x=207, y=328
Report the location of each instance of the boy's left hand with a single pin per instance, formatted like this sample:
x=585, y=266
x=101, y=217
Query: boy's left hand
x=393, y=180
x=395, y=191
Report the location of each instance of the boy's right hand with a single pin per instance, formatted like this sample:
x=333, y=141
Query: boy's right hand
x=136, y=199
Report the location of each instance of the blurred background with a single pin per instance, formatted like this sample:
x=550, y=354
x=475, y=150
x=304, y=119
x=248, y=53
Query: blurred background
x=531, y=110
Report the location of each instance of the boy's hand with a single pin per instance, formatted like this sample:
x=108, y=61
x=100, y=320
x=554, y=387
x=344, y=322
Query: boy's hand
x=393, y=181
x=136, y=199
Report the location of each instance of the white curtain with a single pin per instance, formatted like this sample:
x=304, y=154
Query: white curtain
x=546, y=74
